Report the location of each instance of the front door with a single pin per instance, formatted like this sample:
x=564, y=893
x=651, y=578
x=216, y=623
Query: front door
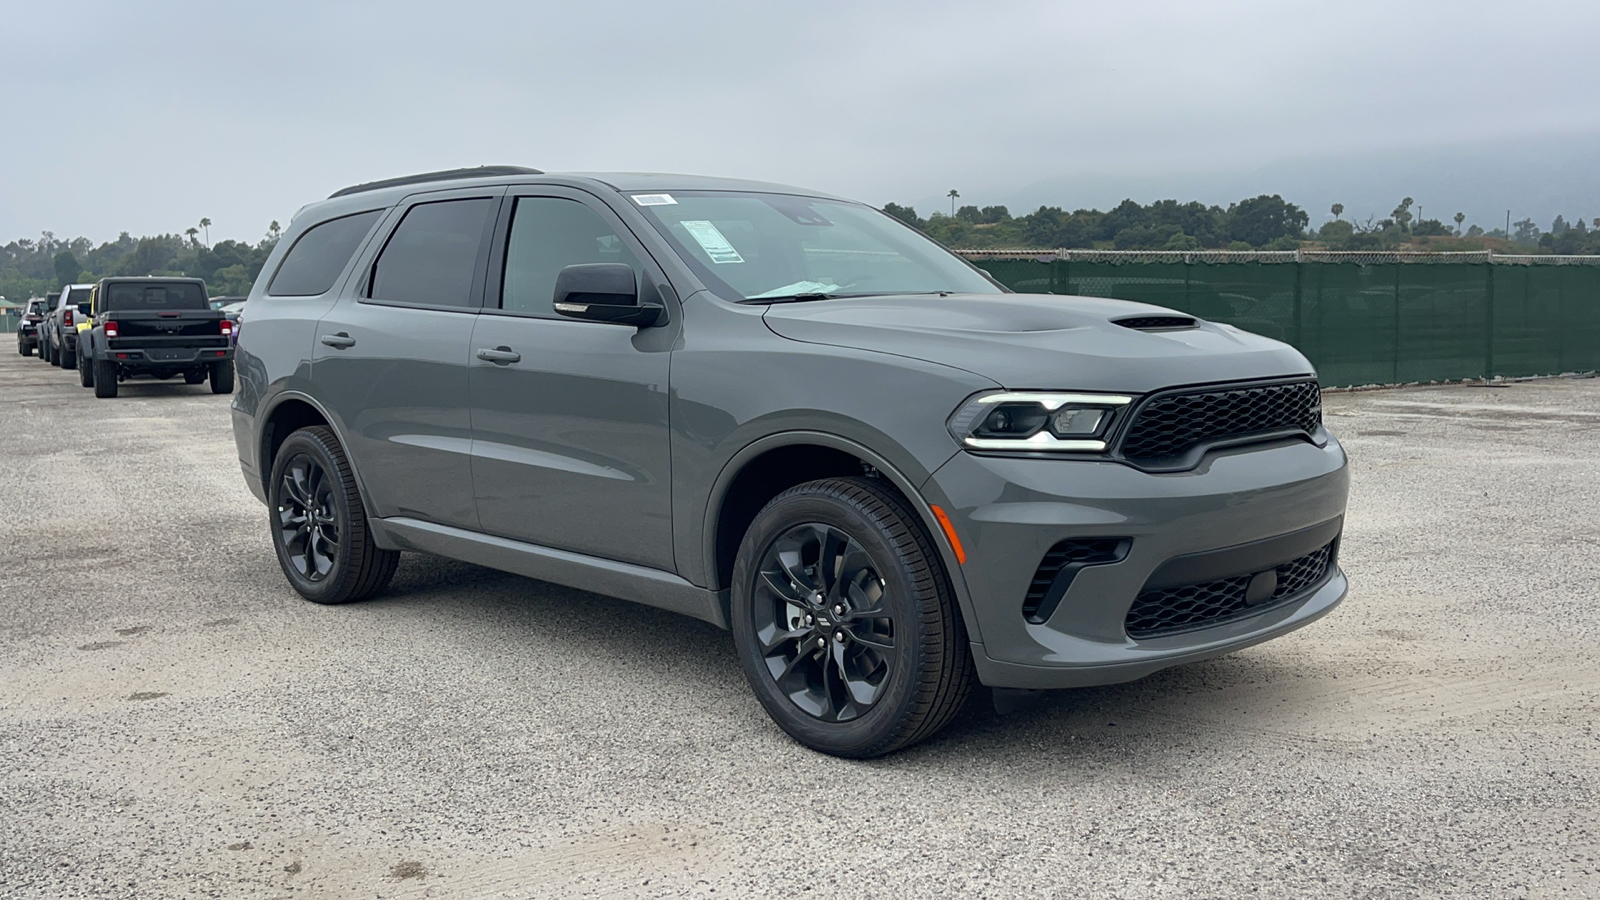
x=569, y=419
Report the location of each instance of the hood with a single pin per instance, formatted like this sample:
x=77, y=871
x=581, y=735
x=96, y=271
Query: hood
x=1040, y=341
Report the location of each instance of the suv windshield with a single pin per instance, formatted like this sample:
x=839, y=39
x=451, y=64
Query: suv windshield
x=775, y=247
x=180, y=295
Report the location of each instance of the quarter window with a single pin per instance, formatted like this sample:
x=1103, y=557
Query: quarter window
x=430, y=258
x=317, y=258
x=547, y=235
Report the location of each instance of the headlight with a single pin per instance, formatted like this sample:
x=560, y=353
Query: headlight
x=1027, y=420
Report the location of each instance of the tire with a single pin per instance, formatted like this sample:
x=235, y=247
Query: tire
x=876, y=684
x=222, y=377
x=68, y=358
x=44, y=350
x=311, y=472
x=85, y=371
x=194, y=377
x=105, y=379
x=24, y=348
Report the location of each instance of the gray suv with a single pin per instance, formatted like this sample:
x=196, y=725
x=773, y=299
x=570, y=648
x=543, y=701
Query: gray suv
x=787, y=414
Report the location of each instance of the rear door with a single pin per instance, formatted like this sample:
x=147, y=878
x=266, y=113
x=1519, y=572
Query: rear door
x=569, y=419
x=390, y=357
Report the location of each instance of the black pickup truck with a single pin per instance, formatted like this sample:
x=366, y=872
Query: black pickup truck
x=158, y=327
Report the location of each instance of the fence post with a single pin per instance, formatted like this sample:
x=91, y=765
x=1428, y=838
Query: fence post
x=1488, y=314
x=1299, y=296
x=1395, y=378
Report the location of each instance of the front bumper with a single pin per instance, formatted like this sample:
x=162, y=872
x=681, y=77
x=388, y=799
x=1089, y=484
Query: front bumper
x=1009, y=512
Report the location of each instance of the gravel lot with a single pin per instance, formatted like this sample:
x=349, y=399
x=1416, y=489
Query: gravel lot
x=176, y=722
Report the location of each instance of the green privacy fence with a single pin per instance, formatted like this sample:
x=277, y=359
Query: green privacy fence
x=1368, y=318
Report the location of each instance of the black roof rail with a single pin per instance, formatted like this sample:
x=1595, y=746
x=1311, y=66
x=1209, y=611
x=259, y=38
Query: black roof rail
x=446, y=175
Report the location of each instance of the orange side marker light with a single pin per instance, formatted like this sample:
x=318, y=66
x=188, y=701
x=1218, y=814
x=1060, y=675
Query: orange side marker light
x=950, y=532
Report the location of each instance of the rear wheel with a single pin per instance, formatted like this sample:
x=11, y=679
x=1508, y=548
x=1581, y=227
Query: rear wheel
x=85, y=371
x=222, y=377
x=44, y=350
x=68, y=358
x=844, y=620
x=194, y=377
x=319, y=525
x=105, y=378
x=24, y=348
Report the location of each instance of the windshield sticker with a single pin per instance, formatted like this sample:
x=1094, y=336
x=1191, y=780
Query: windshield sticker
x=712, y=241
x=654, y=200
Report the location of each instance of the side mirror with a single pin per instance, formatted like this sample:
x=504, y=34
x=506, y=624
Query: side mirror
x=604, y=292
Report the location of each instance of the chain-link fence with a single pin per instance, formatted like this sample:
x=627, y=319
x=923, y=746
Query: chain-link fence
x=1362, y=318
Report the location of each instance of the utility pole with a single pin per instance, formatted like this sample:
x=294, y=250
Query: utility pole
x=1508, y=224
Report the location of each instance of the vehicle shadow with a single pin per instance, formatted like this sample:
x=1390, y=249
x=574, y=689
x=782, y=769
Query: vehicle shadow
x=1184, y=707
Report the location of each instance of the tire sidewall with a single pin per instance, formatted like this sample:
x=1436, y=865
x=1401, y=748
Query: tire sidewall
x=303, y=443
x=879, y=724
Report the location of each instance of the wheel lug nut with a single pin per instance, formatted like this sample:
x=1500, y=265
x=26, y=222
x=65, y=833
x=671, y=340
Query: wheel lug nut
x=821, y=643
x=838, y=609
x=810, y=620
x=838, y=636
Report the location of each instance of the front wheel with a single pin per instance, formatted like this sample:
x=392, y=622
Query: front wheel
x=85, y=371
x=844, y=620
x=44, y=350
x=319, y=525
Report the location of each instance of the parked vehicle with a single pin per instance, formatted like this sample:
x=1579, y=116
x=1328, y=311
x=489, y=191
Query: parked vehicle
x=790, y=415
x=50, y=301
x=61, y=324
x=156, y=327
x=28, y=327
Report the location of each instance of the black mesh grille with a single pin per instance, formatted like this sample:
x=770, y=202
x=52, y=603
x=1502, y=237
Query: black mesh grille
x=1146, y=322
x=1171, y=425
x=1174, y=609
x=1084, y=551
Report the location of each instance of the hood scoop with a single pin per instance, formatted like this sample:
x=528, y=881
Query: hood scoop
x=1157, y=323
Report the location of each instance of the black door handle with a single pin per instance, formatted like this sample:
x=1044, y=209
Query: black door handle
x=501, y=354
x=340, y=341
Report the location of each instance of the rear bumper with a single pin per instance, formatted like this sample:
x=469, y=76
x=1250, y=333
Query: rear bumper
x=1241, y=513
x=150, y=359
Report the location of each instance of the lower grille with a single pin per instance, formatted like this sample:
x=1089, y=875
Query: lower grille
x=1187, y=607
x=1061, y=565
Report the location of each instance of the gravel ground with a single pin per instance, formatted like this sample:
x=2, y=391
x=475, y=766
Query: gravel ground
x=176, y=722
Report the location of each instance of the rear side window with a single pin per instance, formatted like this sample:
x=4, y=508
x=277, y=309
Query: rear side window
x=430, y=258
x=182, y=295
x=320, y=254
x=79, y=297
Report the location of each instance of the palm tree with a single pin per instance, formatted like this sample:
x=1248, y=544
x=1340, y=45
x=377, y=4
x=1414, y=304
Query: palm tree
x=191, y=232
x=1460, y=217
x=953, y=195
x=1338, y=210
x=206, y=224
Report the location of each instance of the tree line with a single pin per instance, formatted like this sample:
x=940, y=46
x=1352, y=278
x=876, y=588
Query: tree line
x=33, y=267
x=1265, y=222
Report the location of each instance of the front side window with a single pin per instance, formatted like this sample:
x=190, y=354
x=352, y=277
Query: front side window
x=317, y=258
x=547, y=235
x=429, y=260
x=773, y=247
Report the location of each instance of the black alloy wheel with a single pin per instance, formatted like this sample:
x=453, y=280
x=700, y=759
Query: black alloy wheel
x=827, y=637
x=319, y=525
x=845, y=623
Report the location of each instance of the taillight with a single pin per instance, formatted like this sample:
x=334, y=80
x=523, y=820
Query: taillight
x=111, y=329
x=227, y=327
x=66, y=317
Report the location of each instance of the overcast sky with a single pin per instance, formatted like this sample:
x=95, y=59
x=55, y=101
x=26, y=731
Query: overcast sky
x=146, y=116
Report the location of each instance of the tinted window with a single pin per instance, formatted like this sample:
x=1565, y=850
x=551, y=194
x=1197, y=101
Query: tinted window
x=547, y=234
x=430, y=258
x=320, y=254
x=79, y=297
x=182, y=295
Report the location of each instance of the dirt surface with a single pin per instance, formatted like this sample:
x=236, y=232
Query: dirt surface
x=176, y=722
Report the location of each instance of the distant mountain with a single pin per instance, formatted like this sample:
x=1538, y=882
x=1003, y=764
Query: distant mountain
x=1539, y=179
